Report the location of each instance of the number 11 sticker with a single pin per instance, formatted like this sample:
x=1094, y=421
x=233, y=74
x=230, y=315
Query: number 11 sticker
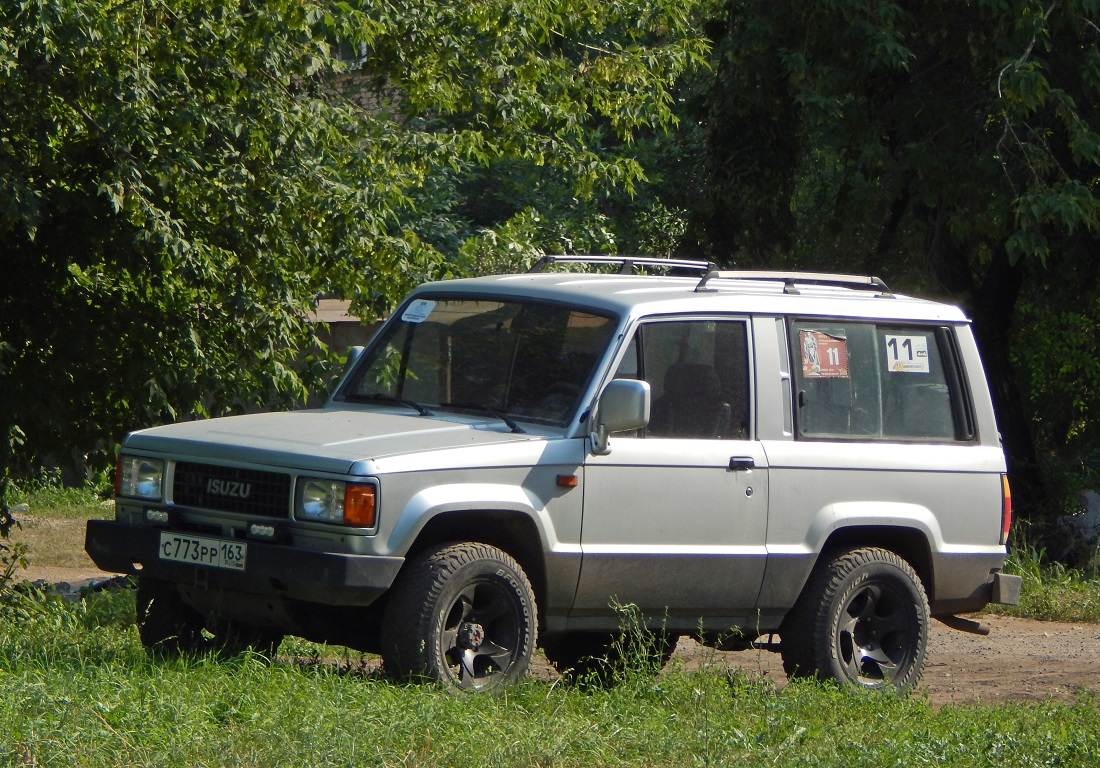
x=907, y=354
x=824, y=356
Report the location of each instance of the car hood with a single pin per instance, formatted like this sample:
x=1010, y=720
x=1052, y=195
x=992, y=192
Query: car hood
x=341, y=441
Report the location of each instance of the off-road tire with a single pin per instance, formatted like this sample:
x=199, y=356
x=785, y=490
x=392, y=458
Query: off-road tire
x=461, y=614
x=862, y=620
x=231, y=638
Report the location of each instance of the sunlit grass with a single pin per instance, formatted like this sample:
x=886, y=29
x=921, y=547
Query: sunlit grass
x=1051, y=591
x=50, y=520
x=76, y=689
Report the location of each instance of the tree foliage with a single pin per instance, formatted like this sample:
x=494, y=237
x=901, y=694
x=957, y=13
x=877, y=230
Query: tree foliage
x=180, y=180
x=950, y=146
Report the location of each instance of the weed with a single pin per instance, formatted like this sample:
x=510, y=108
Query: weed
x=1051, y=590
x=78, y=690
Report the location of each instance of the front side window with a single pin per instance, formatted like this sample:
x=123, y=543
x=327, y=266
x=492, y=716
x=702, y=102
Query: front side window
x=698, y=373
x=524, y=360
x=862, y=380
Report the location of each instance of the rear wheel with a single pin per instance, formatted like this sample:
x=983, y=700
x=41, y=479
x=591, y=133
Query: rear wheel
x=862, y=620
x=462, y=614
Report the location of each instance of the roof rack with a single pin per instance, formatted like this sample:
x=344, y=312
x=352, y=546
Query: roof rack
x=791, y=280
x=627, y=264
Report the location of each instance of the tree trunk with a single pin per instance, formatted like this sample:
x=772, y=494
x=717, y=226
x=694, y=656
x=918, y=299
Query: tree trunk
x=993, y=309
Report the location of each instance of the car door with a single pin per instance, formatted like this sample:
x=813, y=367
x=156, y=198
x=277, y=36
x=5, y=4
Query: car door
x=675, y=515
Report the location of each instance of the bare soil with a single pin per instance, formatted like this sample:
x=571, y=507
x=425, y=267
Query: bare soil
x=1020, y=660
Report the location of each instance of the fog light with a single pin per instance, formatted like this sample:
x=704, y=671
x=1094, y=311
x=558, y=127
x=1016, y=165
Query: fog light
x=156, y=516
x=259, y=531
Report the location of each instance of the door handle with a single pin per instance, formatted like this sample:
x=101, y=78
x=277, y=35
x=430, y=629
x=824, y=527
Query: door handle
x=742, y=462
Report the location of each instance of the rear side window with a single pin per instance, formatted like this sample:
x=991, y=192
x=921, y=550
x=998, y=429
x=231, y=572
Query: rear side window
x=859, y=380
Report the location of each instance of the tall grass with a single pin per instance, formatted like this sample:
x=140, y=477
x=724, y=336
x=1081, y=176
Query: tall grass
x=47, y=493
x=77, y=690
x=1051, y=591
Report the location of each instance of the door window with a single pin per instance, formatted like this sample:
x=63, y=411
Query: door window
x=698, y=373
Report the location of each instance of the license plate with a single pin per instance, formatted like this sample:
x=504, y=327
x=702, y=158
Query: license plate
x=200, y=550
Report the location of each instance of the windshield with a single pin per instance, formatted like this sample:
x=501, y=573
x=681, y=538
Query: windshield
x=518, y=360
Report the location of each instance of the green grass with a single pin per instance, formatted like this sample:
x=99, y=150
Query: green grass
x=48, y=493
x=76, y=689
x=51, y=521
x=1054, y=593
x=1051, y=591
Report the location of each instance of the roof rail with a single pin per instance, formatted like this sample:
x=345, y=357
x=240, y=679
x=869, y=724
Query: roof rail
x=791, y=280
x=627, y=264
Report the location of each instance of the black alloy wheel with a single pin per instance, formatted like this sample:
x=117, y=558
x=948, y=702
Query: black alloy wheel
x=463, y=615
x=862, y=620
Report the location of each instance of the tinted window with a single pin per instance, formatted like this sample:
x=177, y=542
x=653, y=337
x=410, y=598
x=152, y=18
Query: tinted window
x=861, y=380
x=698, y=373
x=525, y=359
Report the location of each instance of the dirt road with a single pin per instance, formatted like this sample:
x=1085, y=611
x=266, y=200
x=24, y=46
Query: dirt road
x=1020, y=659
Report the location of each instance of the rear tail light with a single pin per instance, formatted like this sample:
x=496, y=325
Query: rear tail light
x=1006, y=509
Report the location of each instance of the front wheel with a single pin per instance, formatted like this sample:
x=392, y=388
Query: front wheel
x=168, y=626
x=862, y=620
x=462, y=614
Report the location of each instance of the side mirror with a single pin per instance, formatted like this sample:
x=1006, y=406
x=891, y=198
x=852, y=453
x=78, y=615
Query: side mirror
x=624, y=404
x=354, y=353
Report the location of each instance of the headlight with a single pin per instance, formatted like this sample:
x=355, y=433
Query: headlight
x=140, y=478
x=334, y=501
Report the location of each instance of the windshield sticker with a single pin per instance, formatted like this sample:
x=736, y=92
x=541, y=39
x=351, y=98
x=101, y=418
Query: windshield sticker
x=907, y=354
x=418, y=311
x=824, y=356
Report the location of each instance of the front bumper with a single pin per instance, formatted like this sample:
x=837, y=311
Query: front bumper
x=328, y=578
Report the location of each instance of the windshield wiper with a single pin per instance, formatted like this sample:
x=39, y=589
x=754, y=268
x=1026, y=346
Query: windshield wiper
x=512, y=425
x=391, y=399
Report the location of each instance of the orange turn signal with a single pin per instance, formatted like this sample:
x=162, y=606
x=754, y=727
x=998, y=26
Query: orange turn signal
x=359, y=505
x=567, y=481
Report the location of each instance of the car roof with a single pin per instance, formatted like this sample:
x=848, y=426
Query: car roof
x=756, y=293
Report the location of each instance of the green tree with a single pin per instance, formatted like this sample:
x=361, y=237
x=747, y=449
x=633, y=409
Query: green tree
x=950, y=146
x=180, y=180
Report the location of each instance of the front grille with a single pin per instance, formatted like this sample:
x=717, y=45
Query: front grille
x=231, y=489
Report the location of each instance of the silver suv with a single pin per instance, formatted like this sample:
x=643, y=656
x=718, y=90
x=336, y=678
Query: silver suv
x=512, y=459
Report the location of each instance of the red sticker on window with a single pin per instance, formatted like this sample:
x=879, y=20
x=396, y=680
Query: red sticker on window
x=823, y=356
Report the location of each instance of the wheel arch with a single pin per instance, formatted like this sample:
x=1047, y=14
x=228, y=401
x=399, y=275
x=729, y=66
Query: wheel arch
x=910, y=544
x=510, y=531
